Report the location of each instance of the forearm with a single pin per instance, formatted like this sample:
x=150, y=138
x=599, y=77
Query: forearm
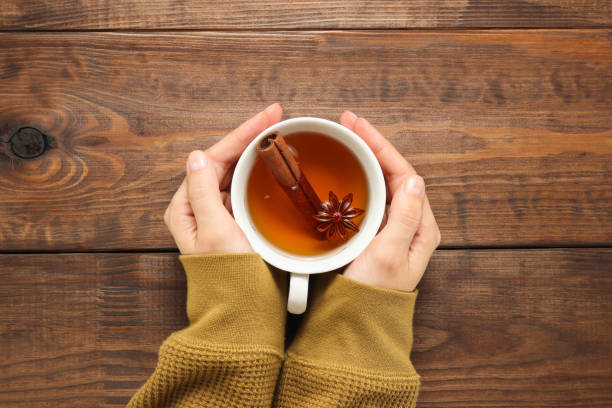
x=231, y=352
x=353, y=349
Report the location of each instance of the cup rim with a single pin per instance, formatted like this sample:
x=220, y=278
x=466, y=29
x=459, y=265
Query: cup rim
x=339, y=256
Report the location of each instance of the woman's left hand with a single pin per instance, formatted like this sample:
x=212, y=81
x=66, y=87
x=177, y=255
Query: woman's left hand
x=398, y=256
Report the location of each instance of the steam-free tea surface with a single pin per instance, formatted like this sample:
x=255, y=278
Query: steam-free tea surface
x=328, y=165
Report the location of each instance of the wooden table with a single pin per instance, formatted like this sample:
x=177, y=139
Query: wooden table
x=505, y=108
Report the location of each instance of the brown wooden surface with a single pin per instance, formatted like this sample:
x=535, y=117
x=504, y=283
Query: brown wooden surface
x=337, y=14
x=515, y=328
x=83, y=330
x=504, y=328
x=511, y=129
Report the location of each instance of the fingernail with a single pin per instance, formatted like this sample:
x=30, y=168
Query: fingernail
x=351, y=115
x=415, y=186
x=197, y=161
x=270, y=108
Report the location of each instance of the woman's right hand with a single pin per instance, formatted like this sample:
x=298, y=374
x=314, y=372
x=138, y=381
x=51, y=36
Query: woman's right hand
x=198, y=216
x=398, y=256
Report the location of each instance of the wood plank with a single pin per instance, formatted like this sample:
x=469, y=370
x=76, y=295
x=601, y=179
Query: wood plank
x=504, y=328
x=515, y=328
x=83, y=329
x=511, y=130
x=338, y=14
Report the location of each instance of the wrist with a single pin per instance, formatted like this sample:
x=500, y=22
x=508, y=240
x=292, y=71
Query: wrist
x=380, y=278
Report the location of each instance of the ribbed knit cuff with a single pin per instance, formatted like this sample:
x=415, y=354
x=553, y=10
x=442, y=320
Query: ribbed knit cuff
x=234, y=299
x=357, y=326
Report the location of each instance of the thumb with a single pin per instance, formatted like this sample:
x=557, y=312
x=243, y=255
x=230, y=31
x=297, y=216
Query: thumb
x=405, y=213
x=203, y=188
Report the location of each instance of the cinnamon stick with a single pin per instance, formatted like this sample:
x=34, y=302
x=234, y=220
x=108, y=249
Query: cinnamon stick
x=284, y=167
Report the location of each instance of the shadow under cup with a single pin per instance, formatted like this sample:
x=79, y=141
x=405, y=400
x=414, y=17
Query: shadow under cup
x=299, y=266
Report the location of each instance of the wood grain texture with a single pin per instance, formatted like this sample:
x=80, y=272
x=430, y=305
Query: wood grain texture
x=83, y=329
x=337, y=14
x=503, y=328
x=511, y=130
x=515, y=328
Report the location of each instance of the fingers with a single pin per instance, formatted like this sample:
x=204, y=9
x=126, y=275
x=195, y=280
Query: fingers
x=396, y=168
x=387, y=263
x=405, y=214
x=393, y=164
x=227, y=201
x=405, y=224
x=225, y=152
x=226, y=181
x=179, y=219
x=426, y=239
x=348, y=119
x=203, y=189
x=198, y=202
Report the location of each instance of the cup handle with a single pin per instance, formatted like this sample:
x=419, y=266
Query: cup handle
x=298, y=293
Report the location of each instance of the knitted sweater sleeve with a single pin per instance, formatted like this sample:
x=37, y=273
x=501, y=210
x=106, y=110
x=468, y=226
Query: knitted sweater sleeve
x=352, y=349
x=230, y=355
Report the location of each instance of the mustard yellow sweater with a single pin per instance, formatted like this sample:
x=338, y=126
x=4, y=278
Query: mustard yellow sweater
x=352, y=349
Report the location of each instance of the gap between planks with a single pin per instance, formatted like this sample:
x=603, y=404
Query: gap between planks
x=476, y=30
x=170, y=251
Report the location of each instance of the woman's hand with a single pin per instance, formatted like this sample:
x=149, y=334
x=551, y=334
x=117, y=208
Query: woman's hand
x=398, y=256
x=198, y=216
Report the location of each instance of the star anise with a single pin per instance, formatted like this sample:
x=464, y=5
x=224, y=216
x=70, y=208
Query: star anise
x=335, y=216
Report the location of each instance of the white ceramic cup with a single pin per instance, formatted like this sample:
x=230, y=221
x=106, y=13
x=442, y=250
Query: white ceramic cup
x=301, y=267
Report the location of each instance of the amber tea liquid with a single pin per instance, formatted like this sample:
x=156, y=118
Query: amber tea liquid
x=328, y=165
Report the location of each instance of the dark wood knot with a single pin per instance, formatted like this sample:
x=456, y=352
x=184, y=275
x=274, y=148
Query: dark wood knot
x=29, y=143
